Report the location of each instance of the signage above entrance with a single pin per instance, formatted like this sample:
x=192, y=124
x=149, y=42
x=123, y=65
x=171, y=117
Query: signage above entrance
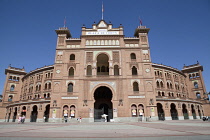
x=103, y=33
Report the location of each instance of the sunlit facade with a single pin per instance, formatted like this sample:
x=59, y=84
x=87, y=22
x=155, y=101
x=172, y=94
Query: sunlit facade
x=104, y=73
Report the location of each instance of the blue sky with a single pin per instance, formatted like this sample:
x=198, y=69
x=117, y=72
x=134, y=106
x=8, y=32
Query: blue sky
x=179, y=29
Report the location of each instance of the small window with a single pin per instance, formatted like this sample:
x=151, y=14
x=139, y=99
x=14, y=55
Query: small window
x=198, y=95
x=134, y=70
x=12, y=88
x=135, y=86
x=72, y=57
x=89, y=70
x=167, y=85
x=161, y=84
x=45, y=86
x=70, y=87
x=49, y=86
x=10, y=98
x=116, y=70
x=71, y=72
x=195, y=84
x=133, y=56
x=158, y=84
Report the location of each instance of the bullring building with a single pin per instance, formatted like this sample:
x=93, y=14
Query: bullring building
x=104, y=73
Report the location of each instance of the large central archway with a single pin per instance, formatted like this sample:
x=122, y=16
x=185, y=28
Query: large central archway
x=103, y=103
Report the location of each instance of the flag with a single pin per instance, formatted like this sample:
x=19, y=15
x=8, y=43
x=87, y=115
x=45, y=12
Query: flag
x=102, y=7
x=140, y=21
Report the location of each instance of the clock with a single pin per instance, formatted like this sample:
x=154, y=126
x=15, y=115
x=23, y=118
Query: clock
x=147, y=70
x=58, y=71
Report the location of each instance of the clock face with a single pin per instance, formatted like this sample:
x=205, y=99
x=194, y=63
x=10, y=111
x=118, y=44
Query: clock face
x=58, y=71
x=147, y=70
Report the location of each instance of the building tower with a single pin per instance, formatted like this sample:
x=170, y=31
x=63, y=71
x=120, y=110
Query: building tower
x=196, y=87
x=11, y=92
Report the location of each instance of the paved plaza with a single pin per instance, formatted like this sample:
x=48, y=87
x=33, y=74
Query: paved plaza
x=157, y=130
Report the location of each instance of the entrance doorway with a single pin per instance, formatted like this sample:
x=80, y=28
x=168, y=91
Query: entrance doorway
x=103, y=104
x=34, y=114
x=15, y=115
x=161, y=114
x=193, y=112
x=47, y=113
x=185, y=112
x=174, y=113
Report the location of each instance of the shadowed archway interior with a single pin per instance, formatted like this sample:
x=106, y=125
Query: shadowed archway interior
x=103, y=103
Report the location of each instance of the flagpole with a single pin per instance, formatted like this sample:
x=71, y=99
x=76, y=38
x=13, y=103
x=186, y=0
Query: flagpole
x=102, y=16
x=65, y=21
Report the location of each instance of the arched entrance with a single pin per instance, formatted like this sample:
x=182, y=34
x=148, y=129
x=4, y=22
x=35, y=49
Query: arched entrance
x=193, y=112
x=9, y=114
x=161, y=114
x=34, y=114
x=65, y=112
x=174, y=113
x=103, y=103
x=185, y=112
x=15, y=115
x=199, y=112
x=23, y=112
x=47, y=113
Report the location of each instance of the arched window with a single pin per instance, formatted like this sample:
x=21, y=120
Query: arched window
x=167, y=85
x=89, y=70
x=102, y=64
x=71, y=71
x=198, y=95
x=133, y=56
x=12, y=88
x=158, y=84
x=116, y=70
x=45, y=86
x=195, y=84
x=10, y=98
x=159, y=94
x=171, y=86
x=70, y=87
x=135, y=86
x=39, y=87
x=72, y=57
x=134, y=70
x=49, y=86
x=48, y=95
x=161, y=84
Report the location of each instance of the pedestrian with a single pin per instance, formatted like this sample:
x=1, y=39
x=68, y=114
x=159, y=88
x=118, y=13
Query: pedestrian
x=79, y=119
x=19, y=119
x=23, y=119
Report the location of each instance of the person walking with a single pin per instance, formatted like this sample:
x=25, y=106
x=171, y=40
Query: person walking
x=23, y=119
x=19, y=119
